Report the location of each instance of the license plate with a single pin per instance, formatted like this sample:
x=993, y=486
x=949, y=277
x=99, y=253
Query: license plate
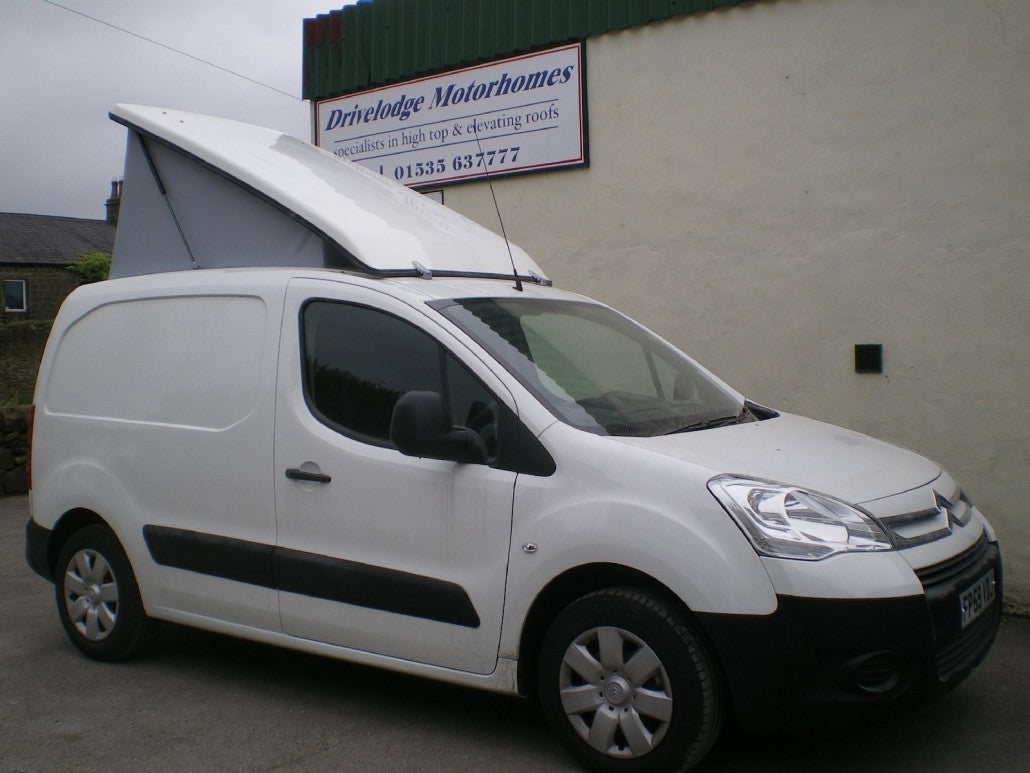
x=976, y=598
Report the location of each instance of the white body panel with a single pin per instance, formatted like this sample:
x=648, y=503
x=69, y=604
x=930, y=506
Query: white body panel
x=154, y=408
x=501, y=679
x=802, y=452
x=665, y=524
x=436, y=519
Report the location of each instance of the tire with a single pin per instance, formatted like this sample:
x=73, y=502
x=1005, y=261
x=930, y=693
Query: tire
x=97, y=597
x=627, y=685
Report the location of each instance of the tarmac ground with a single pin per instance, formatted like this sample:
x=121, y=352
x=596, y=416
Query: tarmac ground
x=200, y=701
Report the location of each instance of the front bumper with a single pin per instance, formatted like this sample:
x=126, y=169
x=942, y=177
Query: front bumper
x=830, y=658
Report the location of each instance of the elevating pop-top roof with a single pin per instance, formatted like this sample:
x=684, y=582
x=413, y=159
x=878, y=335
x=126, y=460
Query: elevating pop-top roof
x=204, y=192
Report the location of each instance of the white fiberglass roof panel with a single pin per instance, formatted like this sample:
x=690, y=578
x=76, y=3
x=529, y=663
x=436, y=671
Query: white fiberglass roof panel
x=384, y=225
x=216, y=223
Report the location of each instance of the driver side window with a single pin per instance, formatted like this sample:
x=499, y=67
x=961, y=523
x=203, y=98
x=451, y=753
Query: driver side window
x=359, y=361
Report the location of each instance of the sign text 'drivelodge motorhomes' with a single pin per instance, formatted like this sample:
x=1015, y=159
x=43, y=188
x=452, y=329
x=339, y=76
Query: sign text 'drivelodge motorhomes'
x=354, y=432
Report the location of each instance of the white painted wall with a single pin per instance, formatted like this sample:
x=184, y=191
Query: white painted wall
x=772, y=184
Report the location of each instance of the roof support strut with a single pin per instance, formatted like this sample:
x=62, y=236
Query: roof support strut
x=164, y=193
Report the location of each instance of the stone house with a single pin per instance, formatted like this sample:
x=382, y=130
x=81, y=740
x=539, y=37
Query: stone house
x=35, y=251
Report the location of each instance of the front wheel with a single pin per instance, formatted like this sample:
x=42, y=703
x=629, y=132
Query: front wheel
x=98, y=600
x=628, y=685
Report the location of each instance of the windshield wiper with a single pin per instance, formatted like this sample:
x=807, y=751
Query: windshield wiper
x=721, y=421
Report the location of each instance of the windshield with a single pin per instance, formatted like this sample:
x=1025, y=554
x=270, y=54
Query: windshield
x=594, y=368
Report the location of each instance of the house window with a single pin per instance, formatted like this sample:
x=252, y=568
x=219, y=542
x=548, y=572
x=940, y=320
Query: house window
x=15, y=296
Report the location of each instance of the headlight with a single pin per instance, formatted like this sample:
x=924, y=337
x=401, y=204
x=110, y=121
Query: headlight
x=789, y=522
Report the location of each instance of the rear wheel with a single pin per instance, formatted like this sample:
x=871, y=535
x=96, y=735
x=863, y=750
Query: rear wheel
x=628, y=685
x=97, y=597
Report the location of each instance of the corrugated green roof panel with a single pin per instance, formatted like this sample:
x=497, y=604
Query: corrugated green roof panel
x=521, y=31
x=385, y=41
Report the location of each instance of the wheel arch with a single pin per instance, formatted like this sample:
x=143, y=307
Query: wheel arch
x=66, y=526
x=574, y=584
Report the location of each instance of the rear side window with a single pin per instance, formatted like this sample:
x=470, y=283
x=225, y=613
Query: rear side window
x=359, y=361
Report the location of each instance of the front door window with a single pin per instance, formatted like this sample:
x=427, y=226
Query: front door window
x=358, y=362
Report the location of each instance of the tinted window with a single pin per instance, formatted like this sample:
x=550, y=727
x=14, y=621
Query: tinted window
x=471, y=404
x=358, y=362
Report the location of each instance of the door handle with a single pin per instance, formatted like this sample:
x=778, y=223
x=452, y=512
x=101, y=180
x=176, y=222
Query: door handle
x=315, y=477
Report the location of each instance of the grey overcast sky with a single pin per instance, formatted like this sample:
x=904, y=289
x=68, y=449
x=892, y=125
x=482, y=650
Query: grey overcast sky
x=60, y=73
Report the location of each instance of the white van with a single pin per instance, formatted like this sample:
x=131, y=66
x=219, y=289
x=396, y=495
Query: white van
x=365, y=429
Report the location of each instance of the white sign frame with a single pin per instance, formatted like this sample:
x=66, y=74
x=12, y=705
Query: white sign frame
x=512, y=116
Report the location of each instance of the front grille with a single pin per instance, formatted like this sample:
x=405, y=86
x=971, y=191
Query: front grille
x=936, y=522
x=967, y=649
x=959, y=649
x=955, y=567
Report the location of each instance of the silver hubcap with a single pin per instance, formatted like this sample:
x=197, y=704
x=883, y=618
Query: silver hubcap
x=615, y=692
x=91, y=595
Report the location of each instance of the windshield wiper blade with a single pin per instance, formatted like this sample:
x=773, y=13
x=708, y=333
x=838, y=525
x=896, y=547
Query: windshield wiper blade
x=720, y=421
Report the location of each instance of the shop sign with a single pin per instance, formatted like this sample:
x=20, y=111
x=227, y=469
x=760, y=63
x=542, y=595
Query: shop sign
x=517, y=115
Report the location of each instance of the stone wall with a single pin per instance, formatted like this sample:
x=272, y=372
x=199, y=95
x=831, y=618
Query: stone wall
x=21, y=348
x=46, y=289
x=13, y=449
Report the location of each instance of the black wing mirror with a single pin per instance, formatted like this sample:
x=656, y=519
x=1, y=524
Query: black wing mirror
x=420, y=427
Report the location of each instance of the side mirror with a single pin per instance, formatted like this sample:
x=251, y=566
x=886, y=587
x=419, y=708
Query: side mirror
x=420, y=427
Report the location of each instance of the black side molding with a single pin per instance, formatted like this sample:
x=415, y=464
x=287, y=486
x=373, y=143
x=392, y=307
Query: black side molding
x=374, y=587
x=310, y=574
x=232, y=559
